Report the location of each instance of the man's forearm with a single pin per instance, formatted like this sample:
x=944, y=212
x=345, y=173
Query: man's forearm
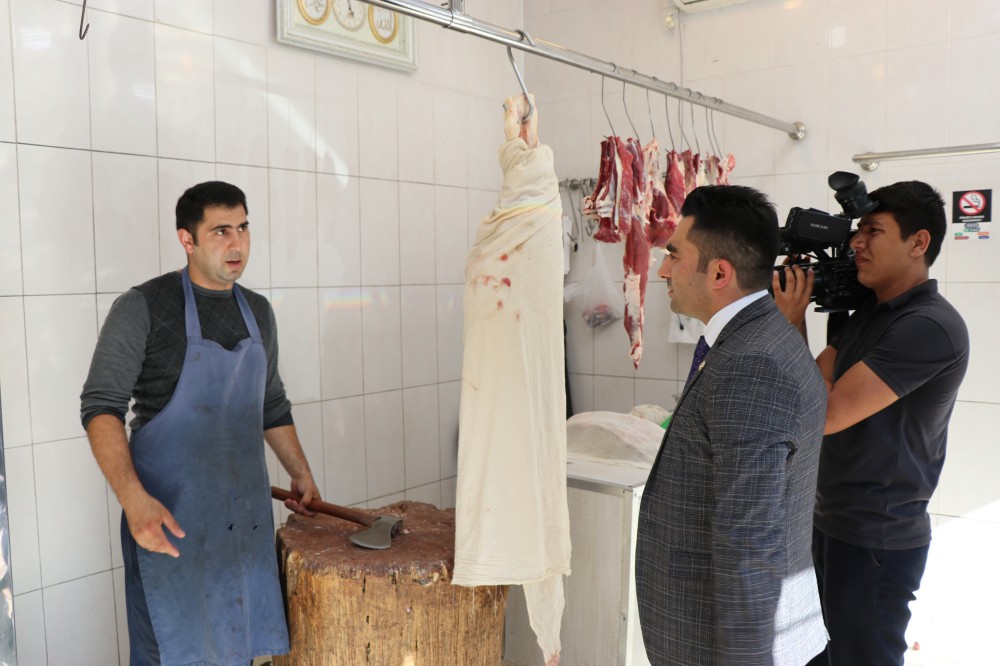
x=284, y=440
x=110, y=446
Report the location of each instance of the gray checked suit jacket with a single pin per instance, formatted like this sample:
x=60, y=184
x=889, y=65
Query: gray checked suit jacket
x=723, y=568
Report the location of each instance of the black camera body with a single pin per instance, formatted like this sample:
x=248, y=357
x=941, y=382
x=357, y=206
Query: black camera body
x=813, y=234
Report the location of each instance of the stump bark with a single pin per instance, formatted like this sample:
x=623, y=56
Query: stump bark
x=348, y=606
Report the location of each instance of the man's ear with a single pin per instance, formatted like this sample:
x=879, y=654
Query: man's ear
x=722, y=273
x=187, y=240
x=921, y=241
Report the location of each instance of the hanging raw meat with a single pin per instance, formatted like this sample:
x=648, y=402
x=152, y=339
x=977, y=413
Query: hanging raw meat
x=661, y=222
x=726, y=167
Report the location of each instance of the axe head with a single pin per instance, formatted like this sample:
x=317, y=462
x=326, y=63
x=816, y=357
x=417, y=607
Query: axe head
x=379, y=535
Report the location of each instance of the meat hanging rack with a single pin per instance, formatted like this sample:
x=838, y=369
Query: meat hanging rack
x=870, y=161
x=454, y=18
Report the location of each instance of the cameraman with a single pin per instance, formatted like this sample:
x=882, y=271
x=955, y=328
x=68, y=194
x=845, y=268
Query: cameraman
x=893, y=372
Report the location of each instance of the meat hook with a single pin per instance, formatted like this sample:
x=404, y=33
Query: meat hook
x=83, y=15
x=666, y=112
x=625, y=104
x=517, y=72
x=613, y=132
x=649, y=110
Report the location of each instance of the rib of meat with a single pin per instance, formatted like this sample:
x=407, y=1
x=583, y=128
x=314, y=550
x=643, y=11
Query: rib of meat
x=690, y=171
x=726, y=167
x=661, y=223
x=711, y=170
x=636, y=261
x=603, y=203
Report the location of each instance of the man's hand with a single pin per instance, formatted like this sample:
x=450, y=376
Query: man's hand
x=306, y=487
x=146, y=518
x=793, y=300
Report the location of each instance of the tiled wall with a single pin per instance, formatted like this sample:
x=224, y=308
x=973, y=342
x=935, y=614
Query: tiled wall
x=364, y=187
x=863, y=75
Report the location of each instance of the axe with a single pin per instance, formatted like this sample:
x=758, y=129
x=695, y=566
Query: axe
x=380, y=530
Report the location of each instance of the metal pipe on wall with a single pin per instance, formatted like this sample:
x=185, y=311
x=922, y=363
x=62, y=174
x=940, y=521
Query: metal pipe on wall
x=870, y=161
x=455, y=20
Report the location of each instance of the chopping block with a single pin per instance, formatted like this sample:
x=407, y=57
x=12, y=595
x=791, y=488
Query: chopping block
x=348, y=606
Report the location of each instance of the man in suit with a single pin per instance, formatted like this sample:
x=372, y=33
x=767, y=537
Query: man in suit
x=723, y=568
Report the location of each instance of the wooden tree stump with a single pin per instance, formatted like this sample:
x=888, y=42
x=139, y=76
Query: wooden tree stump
x=348, y=606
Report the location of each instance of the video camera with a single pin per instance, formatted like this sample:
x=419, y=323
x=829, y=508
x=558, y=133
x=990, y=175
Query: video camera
x=808, y=234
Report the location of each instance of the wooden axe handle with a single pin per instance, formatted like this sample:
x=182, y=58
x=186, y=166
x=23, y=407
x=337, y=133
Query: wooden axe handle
x=319, y=506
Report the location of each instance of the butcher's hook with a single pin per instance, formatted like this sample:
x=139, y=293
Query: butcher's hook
x=694, y=130
x=680, y=123
x=712, y=128
x=625, y=104
x=83, y=15
x=603, y=106
x=666, y=111
x=709, y=124
x=649, y=110
x=510, y=54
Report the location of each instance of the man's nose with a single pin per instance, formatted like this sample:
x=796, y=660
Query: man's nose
x=662, y=270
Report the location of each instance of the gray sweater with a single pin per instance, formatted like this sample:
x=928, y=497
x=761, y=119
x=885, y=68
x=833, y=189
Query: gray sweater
x=141, y=348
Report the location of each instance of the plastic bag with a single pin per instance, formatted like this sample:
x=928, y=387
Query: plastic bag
x=599, y=299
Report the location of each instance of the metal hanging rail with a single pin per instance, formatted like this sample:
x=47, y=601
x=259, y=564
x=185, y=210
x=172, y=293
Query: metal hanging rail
x=457, y=20
x=870, y=161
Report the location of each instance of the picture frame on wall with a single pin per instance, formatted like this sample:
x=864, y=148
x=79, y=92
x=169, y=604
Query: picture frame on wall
x=351, y=29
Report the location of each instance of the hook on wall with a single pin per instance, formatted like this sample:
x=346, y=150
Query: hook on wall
x=83, y=15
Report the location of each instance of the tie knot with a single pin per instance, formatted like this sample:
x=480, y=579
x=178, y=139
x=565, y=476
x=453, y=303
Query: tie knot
x=700, y=352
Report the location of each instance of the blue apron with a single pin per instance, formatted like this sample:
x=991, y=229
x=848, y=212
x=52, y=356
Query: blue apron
x=220, y=602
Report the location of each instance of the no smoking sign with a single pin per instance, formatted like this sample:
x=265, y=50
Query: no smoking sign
x=971, y=206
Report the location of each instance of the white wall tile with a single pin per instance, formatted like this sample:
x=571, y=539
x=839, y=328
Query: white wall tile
x=339, y=232
x=337, y=132
x=7, y=132
x=917, y=113
x=969, y=73
x=485, y=135
x=419, y=335
x=344, y=450
x=185, y=94
x=856, y=128
x=10, y=223
x=580, y=339
x=293, y=228
x=50, y=74
x=657, y=392
x=984, y=356
x=58, y=363
x=422, y=435
x=14, y=374
x=972, y=18
x=241, y=102
x=659, y=359
x=968, y=485
x=702, y=35
x=291, y=122
x=141, y=9
x=417, y=239
x=121, y=616
x=449, y=400
x=341, y=342
x=799, y=32
x=431, y=494
x=748, y=36
x=122, y=84
x=416, y=132
x=254, y=181
x=23, y=515
x=450, y=139
x=174, y=177
x=297, y=316
x=57, y=235
x=384, y=449
x=72, y=511
x=611, y=349
x=126, y=237
x=565, y=124
x=450, y=323
x=752, y=144
x=379, y=232
x=581, y=397
x=195, y=15
x=29, y=628
x=245, y=21
x=800, y=92
x=970, y=260
x=378, y=143
x=115, y=527
x=448, y=493
x=907, y=25
x=80, y=624
x=614, y=394
x=451, y=231
x=381, y=338
x=855, y=27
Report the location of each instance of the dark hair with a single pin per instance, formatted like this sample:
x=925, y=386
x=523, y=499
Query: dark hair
x=191, y=206
x=915, y=205
x=737, y=224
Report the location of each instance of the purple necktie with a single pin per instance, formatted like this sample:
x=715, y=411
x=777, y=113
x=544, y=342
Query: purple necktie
x=700, y=352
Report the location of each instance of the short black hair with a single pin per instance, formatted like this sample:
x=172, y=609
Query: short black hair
x=738, y=224
x=915, y=205
x=191, y=206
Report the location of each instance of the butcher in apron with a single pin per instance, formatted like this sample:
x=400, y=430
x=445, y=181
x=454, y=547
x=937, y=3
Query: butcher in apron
x=201, y=577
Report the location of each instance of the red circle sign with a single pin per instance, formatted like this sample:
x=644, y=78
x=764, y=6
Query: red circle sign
x=972, y=203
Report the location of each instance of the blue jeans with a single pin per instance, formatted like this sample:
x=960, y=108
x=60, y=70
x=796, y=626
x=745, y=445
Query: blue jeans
x=865, y=594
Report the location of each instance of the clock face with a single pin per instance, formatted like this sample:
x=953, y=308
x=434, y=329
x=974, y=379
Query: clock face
x=350, y=13
x=315, y=11
x=384, y=24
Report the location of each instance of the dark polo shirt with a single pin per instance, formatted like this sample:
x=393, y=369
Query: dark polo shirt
x=876, y=477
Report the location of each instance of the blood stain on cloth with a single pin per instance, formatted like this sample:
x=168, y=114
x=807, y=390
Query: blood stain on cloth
x=499, y=305
x=506, y=281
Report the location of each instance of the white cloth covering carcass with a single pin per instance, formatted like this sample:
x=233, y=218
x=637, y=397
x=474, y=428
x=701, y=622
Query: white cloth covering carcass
x=511, y=517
